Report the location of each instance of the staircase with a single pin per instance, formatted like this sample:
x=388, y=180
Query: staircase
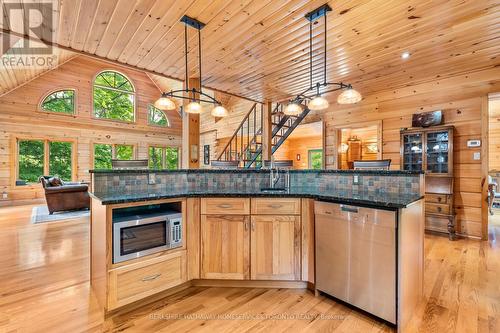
x=245, y=145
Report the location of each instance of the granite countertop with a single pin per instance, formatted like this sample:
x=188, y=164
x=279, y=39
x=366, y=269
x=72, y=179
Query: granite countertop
x=368, y=199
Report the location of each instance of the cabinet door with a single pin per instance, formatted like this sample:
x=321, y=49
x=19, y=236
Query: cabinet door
x=438, y=157
x=225, y=247
x=275, y=247
x=412, y=151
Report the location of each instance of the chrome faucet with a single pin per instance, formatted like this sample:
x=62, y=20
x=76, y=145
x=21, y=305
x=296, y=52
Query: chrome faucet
x=273, y=178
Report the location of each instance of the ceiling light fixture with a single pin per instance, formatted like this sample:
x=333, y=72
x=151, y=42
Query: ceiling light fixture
x=316, y=101
x=405, y=55
x=196, y=97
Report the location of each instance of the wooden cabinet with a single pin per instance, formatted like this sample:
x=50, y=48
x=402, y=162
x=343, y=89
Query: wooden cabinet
x=428, y=149
x=133, y=282
x=225, y=247
x=431, y=150
x=263, y=245
x=275, y=247
x=276, y=206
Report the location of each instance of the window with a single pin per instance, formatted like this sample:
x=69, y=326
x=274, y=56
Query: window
x=32, y=163
x=157, y=117
x=114, y=97
x=104, y=153
x=163, y=158
x=31, y=159
x=315, y=158
x=61, y=101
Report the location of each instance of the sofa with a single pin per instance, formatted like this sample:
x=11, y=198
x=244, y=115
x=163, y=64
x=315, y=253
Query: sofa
x=62, y=196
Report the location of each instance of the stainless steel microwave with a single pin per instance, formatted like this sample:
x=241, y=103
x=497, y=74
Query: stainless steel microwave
x=143, y=234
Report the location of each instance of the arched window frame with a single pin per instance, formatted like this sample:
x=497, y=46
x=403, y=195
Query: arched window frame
x=133, y=92
x=151, y=106
x=53, y=91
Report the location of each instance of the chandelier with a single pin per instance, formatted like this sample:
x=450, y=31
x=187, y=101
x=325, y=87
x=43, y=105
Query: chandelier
x=195, y=96
x=312, y=96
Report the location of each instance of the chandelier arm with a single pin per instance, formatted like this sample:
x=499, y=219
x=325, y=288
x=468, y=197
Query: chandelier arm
x=173, y=94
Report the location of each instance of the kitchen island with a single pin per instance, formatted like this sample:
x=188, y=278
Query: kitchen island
x=237, y=235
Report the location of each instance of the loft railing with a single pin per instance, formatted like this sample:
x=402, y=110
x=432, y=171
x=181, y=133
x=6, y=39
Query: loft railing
x=245, y=145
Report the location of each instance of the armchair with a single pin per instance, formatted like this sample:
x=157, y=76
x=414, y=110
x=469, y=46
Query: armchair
x=64, y=196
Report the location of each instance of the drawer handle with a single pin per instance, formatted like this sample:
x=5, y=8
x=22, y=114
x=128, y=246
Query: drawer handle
x=328, y=212
x=439, y=209
x=349, y=209
x=151, y=277
x=224, y=206
x=439, y=199
x=275, y=206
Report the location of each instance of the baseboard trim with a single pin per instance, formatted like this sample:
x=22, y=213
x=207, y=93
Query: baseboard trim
x=251, y=284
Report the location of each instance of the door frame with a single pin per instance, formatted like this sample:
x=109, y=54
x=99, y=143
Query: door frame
x=338, y=138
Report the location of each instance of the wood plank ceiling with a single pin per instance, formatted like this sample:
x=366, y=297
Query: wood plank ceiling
x=259, y=48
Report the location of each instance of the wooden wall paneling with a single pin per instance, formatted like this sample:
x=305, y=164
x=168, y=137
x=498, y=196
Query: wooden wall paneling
x=20, y=107
x=484, y=166
x=461, y=98
x=267, y=129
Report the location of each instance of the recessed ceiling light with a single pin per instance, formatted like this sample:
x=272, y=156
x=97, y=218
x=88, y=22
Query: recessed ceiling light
x=405, y=55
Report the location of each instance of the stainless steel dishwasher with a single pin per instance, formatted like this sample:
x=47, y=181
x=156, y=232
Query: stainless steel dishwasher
x=356, y=257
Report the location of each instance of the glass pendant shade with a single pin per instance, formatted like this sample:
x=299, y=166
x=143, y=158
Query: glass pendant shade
x=219, y=111
x=293, y=109
x=349, y=96
x=318, y=103
x=194, y=107
x=165, y=103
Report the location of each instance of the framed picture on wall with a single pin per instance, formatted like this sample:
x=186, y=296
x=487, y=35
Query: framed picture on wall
x=206, y=154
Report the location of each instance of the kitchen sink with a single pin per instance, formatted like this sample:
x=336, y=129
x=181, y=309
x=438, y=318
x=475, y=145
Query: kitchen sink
x=274, y=190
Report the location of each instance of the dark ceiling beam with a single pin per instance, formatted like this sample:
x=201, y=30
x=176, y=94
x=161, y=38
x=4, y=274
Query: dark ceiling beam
x=115, y=62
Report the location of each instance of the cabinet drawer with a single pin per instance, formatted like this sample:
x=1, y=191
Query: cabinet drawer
x=276, y=206
x=436, y=198
x=133, y=282
x=224, y=206
x=437, y=208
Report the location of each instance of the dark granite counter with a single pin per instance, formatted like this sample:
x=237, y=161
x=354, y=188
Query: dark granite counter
x=374, y=200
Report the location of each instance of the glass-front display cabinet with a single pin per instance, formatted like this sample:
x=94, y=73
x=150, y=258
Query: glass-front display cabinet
x=431, y=150
x=428, y=149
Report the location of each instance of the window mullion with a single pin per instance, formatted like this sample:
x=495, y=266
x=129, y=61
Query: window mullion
x=46, y=158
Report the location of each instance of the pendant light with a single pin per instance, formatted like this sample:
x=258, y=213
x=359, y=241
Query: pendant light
x=317, y=101
x=196, y=97
x=349, y=96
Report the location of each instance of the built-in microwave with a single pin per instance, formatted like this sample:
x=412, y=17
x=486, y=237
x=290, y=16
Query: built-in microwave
x=139, y=235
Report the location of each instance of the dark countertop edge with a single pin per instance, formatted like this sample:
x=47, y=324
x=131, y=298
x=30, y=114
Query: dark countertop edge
x=187, y=171
x=340, y=200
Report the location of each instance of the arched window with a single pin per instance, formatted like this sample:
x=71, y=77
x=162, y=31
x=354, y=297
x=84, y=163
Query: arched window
x=157, y=117
x=114, y=97
x=59, y=101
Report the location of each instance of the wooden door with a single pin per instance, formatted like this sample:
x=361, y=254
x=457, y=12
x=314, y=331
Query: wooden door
x=225, y=247
x=275, y=247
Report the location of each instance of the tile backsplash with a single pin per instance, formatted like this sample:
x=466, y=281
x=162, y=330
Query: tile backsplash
x=203, y=180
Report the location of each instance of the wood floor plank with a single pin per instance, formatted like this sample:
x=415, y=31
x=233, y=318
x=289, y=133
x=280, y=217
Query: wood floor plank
x=45, y=288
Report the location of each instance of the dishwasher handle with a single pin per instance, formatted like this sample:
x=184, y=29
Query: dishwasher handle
x=350, y=209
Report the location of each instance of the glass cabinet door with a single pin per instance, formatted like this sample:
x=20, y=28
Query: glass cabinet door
x=412, y=151
x=437, y=153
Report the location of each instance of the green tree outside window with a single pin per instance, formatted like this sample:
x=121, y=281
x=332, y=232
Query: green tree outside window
x=60, y=154
x=157, y=117
x=31, y=160
x=114, y=97
x=103, y=154
x=124, y=152
x=61, y=101
x=163, y=158
x=315, y=159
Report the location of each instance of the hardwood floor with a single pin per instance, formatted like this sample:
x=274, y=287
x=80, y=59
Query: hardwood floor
x=44, y=288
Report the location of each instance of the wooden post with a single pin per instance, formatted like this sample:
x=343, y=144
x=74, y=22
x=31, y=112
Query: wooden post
x=190, y=156
x=267, y=131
